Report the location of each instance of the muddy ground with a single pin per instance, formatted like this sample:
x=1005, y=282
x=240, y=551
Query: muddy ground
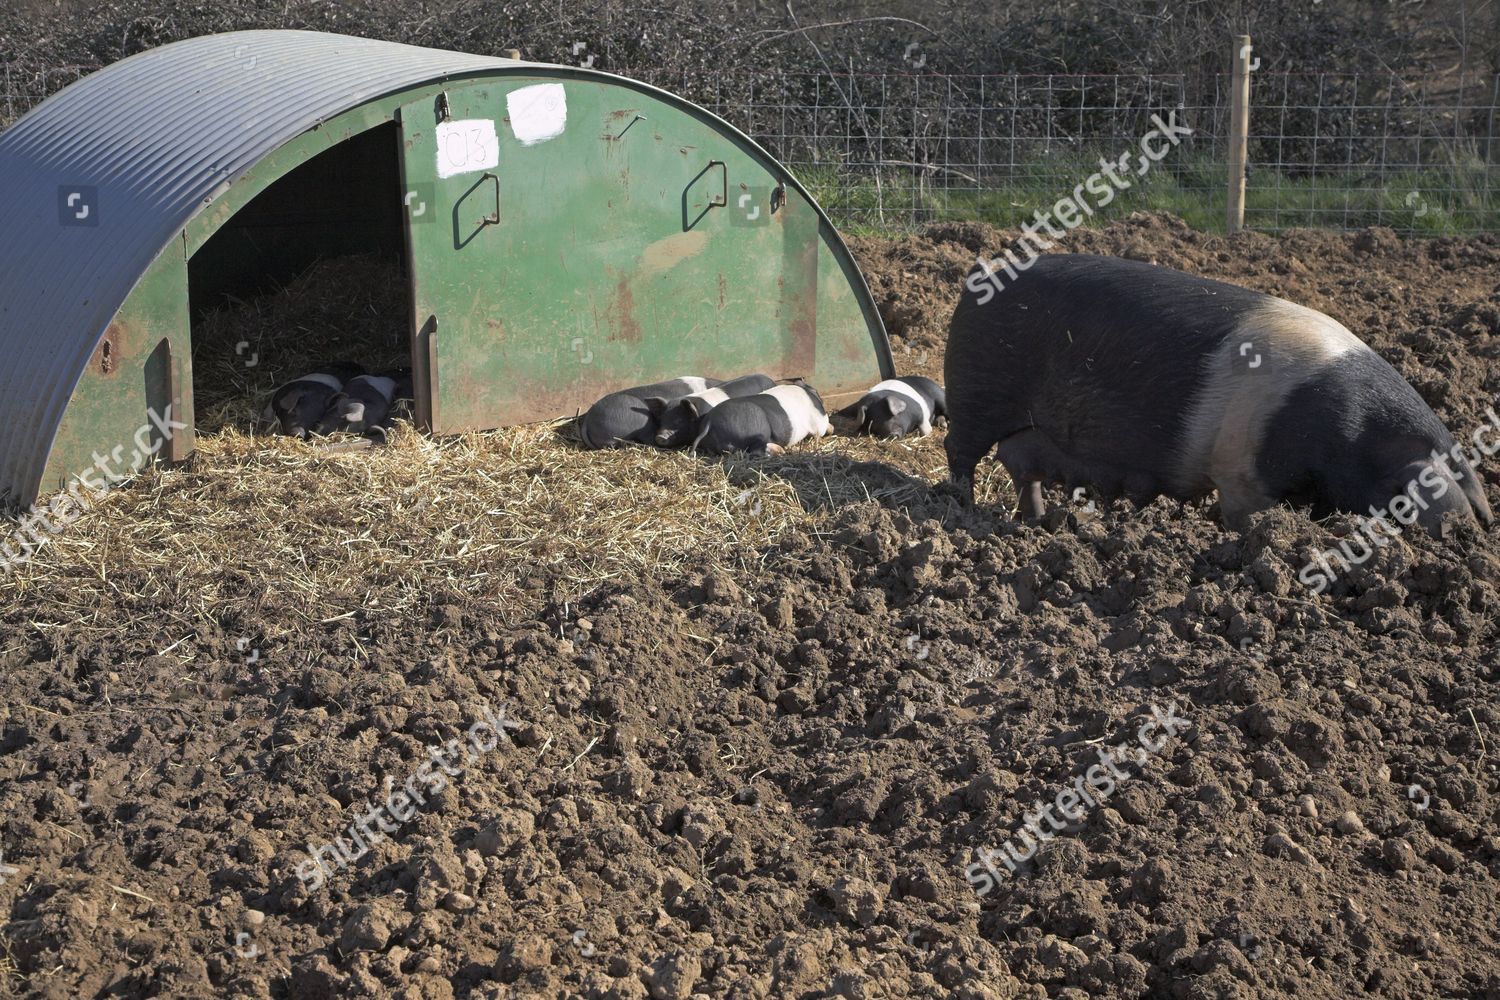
x=765, y=777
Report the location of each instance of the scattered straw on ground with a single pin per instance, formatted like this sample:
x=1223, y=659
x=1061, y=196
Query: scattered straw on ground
x=260, y=522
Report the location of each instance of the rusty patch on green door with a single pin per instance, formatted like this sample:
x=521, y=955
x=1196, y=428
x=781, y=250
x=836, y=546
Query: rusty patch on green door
x=107, y=355
x=622, y=314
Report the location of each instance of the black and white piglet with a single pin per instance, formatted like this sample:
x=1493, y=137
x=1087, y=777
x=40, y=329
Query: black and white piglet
x=402, y=378
x=765, y=423
x=298, y=406
x=623, y=417
x=894, y=408
x=677, y=420
x=362, y=407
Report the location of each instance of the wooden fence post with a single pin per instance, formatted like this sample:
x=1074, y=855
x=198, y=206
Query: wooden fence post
x=1239, y=131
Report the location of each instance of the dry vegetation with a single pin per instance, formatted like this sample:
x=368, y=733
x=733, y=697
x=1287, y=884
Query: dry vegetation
x=285, y=530
x=683, y=39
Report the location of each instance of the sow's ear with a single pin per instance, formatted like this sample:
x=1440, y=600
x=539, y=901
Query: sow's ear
x=333, y=410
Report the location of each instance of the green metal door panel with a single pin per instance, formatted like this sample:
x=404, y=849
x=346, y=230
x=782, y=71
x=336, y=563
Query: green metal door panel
x=143, y=363
x=606, y=239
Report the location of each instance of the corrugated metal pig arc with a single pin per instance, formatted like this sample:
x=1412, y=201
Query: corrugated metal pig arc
x=105, y=185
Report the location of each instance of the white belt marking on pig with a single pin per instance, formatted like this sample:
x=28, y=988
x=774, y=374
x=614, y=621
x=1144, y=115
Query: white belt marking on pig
x=896, y=385
x=385, y=386
x=695, y=383
x=713, y=397
x=804, y=417
x=328, y=380
x=1228, y=417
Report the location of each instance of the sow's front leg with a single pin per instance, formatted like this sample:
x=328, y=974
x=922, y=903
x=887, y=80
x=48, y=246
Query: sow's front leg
x=1029, y=502
x=966, y=444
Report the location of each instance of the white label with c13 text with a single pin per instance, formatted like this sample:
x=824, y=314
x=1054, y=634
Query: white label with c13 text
x=466, y=146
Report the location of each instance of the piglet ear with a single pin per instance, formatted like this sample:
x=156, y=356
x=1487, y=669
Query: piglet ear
x=850, y=420
x=292, y=398
x=698, y=405
x=656, y=405
x=896, y=405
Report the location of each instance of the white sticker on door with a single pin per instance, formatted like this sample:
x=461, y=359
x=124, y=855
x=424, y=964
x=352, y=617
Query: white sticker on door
x=538, y=112
x=466, y=146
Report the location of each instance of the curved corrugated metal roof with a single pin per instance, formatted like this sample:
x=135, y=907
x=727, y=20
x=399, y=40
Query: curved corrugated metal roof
x=157, y=135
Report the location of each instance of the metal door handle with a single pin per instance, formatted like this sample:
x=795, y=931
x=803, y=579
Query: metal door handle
x=723, y=176
x=492, y=220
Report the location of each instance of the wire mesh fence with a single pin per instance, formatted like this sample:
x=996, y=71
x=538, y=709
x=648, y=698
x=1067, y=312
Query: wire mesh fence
x=1328, y=150
x=898, y=150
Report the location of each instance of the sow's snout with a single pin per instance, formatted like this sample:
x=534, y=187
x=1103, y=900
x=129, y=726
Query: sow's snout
x=1427, y=490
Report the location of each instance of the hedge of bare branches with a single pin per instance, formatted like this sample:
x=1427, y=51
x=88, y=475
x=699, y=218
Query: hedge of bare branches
x=692, y=46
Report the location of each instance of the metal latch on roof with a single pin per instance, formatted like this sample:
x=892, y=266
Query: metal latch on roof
x=444, y=113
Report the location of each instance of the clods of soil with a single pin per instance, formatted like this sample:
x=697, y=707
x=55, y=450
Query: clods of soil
x=769, y=773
